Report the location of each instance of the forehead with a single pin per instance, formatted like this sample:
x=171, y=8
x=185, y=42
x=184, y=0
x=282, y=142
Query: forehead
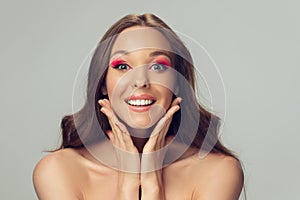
x=138, y=38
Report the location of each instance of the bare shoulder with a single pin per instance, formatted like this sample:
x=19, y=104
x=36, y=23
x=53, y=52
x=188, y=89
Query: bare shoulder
x=218, y=164
x=55, y=176
x=218, y=176
x=58, y=161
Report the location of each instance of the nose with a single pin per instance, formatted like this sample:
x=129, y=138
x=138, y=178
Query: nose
x=141, y=84
x=141, y=79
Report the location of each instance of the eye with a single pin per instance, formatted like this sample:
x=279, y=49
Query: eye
x=158, y=67
x=122, y=67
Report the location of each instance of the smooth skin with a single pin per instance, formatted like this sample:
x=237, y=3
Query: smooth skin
x=150, y=182
x=74, y=174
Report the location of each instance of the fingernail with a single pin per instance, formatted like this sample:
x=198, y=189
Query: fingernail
x=179, y=99
x=102, y=110
x=177, y=108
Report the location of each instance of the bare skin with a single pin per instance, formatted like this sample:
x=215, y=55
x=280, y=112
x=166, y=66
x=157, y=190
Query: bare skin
x=72, y=174
x=76, y=174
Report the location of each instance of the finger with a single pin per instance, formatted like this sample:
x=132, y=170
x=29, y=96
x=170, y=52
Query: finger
x=169, y=117
x=157, y=137
x=169, y=139
x=159, y=126
x=176, y=101
x=106, y=104
x=106, y=109
x=155, y=133
x=102, y=102
x=110, y=134
x=162, y=135
x=108, y=113
x=119, y=129
x=172, y=111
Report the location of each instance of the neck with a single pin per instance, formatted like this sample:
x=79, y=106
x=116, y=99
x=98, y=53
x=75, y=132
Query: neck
x=139, y=137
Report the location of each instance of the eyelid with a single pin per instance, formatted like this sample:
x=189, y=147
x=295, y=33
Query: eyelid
x=163, y=61
x=117, y=62
x=162, y=67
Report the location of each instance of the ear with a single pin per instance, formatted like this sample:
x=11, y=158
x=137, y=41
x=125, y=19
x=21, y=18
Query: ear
x=104, y=90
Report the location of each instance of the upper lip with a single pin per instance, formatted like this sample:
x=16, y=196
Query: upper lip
x=140, y=97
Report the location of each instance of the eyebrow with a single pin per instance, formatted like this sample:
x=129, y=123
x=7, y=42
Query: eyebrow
x=157, y=53
x=119, y=52
x=152, y=54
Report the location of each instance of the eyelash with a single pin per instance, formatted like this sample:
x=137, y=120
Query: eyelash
x=163, y=66
x=120, y=67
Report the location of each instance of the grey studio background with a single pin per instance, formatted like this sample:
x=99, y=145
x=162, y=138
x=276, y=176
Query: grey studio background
x=255, y=44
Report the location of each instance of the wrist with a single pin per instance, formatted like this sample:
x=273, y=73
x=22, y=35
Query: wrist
x=128, y=192
x=154, y=192
x=152, y=186
x=128, y=186
x=152, y=179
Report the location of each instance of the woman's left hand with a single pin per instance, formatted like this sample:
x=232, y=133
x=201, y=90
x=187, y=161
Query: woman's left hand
x=153, y=156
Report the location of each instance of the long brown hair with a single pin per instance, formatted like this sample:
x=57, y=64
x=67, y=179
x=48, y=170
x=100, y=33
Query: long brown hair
x=83, y=126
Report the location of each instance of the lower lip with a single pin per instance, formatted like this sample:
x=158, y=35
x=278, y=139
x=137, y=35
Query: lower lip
x=139, y=108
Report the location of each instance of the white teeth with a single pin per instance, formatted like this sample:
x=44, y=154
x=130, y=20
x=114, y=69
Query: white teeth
x=142, y=102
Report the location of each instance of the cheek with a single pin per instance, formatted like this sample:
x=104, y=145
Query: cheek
x=167, y=95
x=111, y=82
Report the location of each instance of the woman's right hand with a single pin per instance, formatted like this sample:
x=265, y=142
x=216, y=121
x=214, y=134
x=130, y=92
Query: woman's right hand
x=127, y=155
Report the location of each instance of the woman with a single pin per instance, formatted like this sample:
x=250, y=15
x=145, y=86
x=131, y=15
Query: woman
x=141, y=94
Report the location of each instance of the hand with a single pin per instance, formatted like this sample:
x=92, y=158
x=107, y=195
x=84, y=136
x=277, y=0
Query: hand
x=126, y=153
x=153, y=156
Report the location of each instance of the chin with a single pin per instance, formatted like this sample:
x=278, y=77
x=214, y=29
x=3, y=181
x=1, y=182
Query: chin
x=139, y=122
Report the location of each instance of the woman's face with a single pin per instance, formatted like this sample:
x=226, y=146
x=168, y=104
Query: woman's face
x=140, y=78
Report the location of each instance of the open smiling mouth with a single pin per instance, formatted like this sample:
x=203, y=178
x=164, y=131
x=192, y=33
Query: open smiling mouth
x=140, y=100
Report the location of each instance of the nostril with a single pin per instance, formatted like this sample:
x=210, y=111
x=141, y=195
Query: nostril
x=141, y=84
